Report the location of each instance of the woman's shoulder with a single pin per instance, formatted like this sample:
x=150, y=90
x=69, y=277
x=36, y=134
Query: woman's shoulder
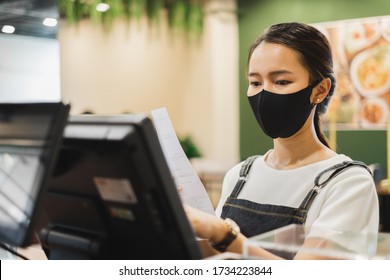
x=341, y=162
x=345, y=172
x=338, y=161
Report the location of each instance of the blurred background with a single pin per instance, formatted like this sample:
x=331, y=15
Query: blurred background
x=133, y=56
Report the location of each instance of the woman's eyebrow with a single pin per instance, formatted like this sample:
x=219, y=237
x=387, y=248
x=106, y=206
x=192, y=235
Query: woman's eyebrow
x=253, y=74
x=272, y=73
x=279, y=72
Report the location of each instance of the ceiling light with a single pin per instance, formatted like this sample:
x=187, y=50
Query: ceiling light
x=50, y=22
x=8, y=29
x=102, y=7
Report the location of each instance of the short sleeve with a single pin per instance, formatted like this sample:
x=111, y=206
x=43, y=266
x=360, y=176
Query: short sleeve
x=349, y=203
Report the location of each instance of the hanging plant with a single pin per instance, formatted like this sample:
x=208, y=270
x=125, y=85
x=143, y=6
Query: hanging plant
x=177, y=14
x=74, y=11
x=153, y=10
x=194, y=23
x=137, y=9
x=183, y=15
x=186, y=15
x=105, y=11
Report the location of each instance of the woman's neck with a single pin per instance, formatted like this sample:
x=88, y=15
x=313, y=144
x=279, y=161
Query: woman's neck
x=297, y=151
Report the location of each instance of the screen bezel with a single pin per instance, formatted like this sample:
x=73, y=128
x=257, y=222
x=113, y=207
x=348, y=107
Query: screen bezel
x=58, y=112
x=91, y=222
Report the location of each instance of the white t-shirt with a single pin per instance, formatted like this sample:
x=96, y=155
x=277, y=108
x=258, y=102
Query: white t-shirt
x=348, y=203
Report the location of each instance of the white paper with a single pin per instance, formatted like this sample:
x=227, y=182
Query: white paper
x=189, y=186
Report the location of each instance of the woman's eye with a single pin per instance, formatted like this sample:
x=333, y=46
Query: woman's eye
x=282, y=82
x=256, y=84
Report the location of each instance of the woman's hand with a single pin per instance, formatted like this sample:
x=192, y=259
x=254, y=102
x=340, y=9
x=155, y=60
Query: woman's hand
x=206, y=225
x=214, y=229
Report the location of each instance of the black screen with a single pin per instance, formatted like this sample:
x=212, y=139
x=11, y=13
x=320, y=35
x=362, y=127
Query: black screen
x=29, y=138
x=112, y=195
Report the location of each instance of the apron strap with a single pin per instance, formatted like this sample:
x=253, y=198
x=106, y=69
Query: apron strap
x=318, y=185
x=246, y=166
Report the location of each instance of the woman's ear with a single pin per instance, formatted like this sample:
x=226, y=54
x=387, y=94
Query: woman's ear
x=320, y=91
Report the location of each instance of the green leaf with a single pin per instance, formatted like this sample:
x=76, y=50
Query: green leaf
x=189, y=147
x=195, y=18
x=153, y=9
x=138, y=8
x=177, y=15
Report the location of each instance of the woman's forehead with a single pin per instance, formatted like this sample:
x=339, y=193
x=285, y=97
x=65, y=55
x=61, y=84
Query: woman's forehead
x=271, y=57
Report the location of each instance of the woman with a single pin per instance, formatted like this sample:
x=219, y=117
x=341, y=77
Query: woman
x=301, y=180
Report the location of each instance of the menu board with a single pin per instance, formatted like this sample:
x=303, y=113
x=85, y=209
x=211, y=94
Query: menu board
x=361, y=52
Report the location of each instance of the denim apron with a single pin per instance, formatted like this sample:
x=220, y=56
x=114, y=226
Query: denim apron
x=254, y=218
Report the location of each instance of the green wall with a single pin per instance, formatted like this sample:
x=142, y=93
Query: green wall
x=254, y=17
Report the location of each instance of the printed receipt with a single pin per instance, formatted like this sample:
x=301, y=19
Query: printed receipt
x=189, y=186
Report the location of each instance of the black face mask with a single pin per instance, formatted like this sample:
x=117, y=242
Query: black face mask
x=281, y=115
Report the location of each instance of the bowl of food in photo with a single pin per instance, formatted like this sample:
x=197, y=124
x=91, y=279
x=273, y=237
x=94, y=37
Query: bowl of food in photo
x=373, y=111
x=358, y=35
x=370, y=71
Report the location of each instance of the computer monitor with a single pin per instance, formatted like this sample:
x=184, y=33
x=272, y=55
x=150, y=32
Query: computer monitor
x=112, y=195
x=30, y=134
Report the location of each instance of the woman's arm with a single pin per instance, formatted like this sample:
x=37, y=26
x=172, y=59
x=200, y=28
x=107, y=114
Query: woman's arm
x=214, y=230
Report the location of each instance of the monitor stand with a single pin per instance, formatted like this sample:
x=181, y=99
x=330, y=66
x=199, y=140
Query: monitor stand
x=64, y=244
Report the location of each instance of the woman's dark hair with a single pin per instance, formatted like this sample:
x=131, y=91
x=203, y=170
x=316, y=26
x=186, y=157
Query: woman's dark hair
x=314, y=53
